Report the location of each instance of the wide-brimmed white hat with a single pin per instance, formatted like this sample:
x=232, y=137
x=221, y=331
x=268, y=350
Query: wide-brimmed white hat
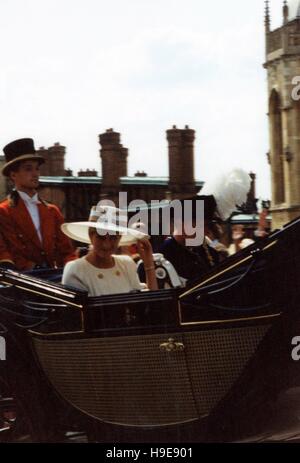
x=106, y=220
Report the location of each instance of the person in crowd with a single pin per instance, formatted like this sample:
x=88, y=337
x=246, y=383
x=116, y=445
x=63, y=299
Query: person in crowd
x=102, y=271
x=220, y=198
x=191, y=262
x=262, y=227
x=238, y=240
x=30, y=234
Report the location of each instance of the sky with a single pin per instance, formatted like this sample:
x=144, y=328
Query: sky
x=70, y=69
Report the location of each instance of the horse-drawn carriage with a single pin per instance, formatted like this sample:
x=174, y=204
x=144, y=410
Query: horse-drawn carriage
x=152, y=366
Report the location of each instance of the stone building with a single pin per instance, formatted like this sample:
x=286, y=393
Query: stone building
x=283, y=66
x=76, y=194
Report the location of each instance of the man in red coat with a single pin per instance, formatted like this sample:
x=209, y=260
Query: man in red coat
x=30, y=234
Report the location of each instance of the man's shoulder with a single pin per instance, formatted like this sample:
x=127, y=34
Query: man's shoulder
x=11, y=201
x=48, y=203
x=6, y=204
x=50, y=206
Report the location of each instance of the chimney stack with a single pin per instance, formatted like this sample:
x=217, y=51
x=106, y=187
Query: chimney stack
x=114, y=163
x=181, y=162
x=44, y=168
x=56, y=160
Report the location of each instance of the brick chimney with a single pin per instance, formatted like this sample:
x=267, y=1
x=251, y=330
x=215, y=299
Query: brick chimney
x=181, y=162
x=114, y=163
x=44, y=168
x=56, y=156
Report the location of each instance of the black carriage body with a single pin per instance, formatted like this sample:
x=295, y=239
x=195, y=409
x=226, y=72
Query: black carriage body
x=162, y=359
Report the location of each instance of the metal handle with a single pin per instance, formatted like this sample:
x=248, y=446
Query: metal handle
x=172, y=346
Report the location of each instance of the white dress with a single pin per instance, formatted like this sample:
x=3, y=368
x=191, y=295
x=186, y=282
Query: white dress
x=121, y=278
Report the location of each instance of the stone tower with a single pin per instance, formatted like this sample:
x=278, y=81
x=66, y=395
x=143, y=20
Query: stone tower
x=181, y=162
x=283, y=67
x=114, y=164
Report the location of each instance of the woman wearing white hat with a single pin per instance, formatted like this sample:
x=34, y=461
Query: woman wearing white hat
x=101, y=271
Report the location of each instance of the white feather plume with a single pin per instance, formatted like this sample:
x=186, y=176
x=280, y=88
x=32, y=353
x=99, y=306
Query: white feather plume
x=229, y=190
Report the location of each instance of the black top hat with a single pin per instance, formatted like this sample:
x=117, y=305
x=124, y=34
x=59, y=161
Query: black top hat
x=19, y=150
x=209, y=203
x=210, y=206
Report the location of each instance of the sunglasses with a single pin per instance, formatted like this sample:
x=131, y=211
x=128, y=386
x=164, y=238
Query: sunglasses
x=109, y=236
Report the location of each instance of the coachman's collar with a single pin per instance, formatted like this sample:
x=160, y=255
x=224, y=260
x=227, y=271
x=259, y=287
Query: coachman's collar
x=14, y=197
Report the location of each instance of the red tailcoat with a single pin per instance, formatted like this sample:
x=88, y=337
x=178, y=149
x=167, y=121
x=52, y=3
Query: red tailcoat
x=19, y=241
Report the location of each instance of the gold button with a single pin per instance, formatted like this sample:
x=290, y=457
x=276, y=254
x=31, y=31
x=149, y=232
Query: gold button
x=118, y=273
x=100, y=275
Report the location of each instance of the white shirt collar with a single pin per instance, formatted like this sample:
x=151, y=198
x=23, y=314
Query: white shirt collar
x=28, y=199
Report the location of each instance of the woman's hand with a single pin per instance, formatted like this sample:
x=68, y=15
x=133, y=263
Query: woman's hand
x=145, y=251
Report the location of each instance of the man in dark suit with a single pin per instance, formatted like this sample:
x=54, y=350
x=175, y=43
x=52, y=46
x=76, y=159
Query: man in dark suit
x=191, y=262
x=30, y=234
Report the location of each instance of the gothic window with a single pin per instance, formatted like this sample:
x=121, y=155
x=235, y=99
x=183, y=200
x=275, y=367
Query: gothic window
x=294, y=40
